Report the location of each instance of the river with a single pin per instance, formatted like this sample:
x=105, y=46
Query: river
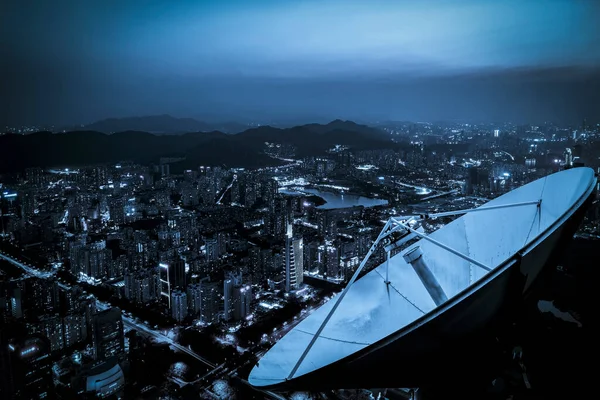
x=336, y=200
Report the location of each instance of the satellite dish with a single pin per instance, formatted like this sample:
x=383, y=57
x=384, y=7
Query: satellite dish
x=382, y=329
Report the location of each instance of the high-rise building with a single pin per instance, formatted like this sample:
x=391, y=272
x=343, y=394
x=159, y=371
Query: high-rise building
x=235, y=191
x=74, y=329
x=100, y=176
x=298, y=249
x=116, y=209
x=16, y=302
x=211, y=248
x=142, y=286
x=327, y=221
x=164, y=169
x=229, y=283
x=194, y=296
x=39, y=297
x=256, y=271
x=250, y=193
x=30, y=374
x=242, y=298
x=294, y=260
x=332, y=261
x=177, y=274
x=165, y=282
x=6, y=377
x=496, y=132
x=28, y=203
x=189, y=195
x=51, y=327
x=35, y=176
x=179, y=305
x=107, y=334
x=209, y=311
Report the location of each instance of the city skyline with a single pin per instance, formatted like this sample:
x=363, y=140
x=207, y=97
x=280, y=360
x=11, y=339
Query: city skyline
x=119, y=255
x=299, y=199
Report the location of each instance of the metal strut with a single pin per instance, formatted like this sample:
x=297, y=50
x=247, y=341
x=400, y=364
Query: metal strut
x=443, y=246
x=387, y=267
x=384, y=232
x=391, y=226
x=469, y=210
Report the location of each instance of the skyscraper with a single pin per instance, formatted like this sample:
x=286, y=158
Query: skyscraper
x=108, y=336
x=231, y=281
x=116, y=206
x=194, y=296
x=298, y=249
x=165, y=282
x=242, y=297
x=209, y=305
x=332, y=261
x=294, y=260
x=177, y=274
x=29, y=368
x=179, y=305
x=212, y=249
x=142, y=286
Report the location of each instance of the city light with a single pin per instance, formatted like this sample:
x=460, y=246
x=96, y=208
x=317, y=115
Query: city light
x=220, y=264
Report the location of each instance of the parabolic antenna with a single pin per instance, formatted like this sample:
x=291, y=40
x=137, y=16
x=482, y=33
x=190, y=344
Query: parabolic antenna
x=380, y=328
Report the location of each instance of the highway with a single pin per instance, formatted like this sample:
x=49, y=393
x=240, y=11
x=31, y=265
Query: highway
x=130, y=323
x=268, y=394
x=435, y=196
x=232, y=374
x=423, y=188
x=157, y=335
x=103, y=306
x=226, y=189
x=25, y=267
x=221, y=373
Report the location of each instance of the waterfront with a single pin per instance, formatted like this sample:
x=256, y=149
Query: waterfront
x=335, y=200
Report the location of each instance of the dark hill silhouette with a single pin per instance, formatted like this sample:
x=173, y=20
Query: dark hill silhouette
x=44, y=149
x=315, y=139
x=349, y=126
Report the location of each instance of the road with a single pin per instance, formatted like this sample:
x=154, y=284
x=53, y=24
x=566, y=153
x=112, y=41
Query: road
x=232, y=374
x=220, y=373
x=25, y=267
x=266, y=393
x=435, y=196
x=130, y=323
x=226, y=189
x=103, y=306
x=157, y=335
x=408, y=185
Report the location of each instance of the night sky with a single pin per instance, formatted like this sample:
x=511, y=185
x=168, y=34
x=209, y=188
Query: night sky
x=77, y=61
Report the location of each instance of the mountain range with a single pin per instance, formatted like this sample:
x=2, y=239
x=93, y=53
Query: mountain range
x=245, y=149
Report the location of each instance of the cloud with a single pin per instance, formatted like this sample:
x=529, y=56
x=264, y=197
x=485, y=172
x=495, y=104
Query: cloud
x=76, y=61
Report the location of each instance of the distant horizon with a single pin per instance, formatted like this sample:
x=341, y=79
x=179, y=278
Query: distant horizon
x=283, y=122
x=72, y=63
